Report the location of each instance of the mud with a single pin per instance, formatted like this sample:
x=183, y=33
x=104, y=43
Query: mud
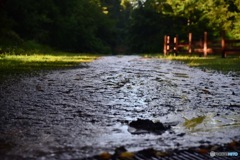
x=84, y=111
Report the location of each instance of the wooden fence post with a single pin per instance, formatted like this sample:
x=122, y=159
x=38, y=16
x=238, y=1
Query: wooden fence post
x=223, y=44
x=176, y=45
x=165, y=46
x=168, y=44
x=190, y=43
x=205, y=45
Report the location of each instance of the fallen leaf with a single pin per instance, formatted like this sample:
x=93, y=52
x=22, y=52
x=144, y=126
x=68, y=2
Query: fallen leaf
x=202, y=151
x=233, y=144
x=126, y=155
x=192, y=123
x=105, y=156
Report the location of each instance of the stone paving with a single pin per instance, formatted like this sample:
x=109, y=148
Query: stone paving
x=81, y=112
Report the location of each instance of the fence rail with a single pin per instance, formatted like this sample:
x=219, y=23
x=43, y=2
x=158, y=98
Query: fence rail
x=205, y=47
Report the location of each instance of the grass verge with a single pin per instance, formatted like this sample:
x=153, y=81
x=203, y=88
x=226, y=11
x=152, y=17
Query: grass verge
x=11, y=64
x=224, y=65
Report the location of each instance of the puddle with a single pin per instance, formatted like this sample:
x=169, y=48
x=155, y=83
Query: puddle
x=81, y=112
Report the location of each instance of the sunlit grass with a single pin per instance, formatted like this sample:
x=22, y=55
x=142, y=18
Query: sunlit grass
x=26, y=63
x=217, y=63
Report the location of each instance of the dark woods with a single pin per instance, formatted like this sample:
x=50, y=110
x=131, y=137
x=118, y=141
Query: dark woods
x=112, y=26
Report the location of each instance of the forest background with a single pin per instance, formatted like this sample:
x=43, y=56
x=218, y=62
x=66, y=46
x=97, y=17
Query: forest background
x=111, y=26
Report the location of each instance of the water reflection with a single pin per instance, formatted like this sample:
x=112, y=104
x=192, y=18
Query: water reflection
x=84, y=111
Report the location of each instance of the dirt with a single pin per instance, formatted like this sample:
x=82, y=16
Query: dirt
x=84, y=111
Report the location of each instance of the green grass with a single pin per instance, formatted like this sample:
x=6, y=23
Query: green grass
x=11, y=64
x=217, y=63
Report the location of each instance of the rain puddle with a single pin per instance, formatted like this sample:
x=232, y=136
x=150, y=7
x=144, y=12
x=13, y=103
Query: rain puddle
x=119, y=101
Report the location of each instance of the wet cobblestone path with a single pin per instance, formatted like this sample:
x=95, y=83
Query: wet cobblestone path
x=81, y=112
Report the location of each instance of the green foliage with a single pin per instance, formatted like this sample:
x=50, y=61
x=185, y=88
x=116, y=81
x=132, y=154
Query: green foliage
x=74, y=25
x=192, y=123
x=145, y=31
x=153, y=19
x=216, y=15
x=149, y=24
x=104, y=25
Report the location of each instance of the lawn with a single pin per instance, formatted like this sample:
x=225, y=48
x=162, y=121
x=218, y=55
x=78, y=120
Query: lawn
x=217, y=63
x=12, y=64
x=28, y=63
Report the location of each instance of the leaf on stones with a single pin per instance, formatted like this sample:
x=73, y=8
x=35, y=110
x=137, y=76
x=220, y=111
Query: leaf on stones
x=203, y=151
x=192, y=123
x=104, y=156
x=126, y=155
x=234, y=144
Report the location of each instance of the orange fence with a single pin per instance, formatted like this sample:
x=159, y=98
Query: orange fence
x=205, y=47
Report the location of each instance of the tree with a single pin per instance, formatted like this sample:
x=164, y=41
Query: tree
x=210, y=15
x=8, y=37
x=234, y=7
x=104, y=25
x=74, y=25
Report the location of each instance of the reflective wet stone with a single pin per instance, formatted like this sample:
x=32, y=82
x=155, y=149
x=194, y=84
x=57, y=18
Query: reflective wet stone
x=84, y=111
